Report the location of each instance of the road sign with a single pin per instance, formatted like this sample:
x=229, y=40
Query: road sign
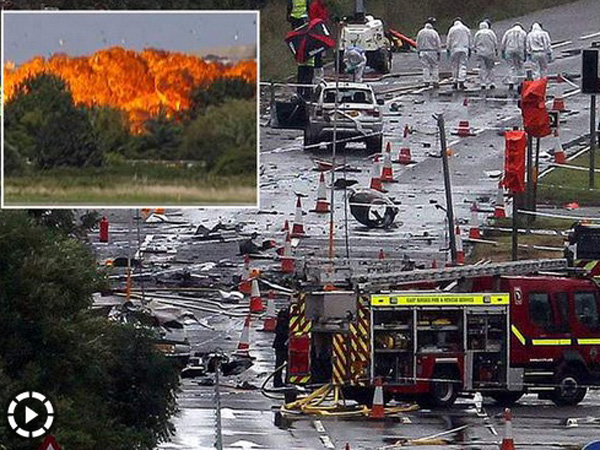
x=590, y=72
x=49, y=444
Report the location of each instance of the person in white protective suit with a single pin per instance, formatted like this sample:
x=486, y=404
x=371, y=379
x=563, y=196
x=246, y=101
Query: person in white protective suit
x=514, y=52
x=539, y=50
x=355, y=60
x=429, y=47
x=458, y=46
x=485, y=46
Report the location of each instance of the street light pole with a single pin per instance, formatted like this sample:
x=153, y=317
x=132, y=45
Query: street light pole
x=447, y=186
x=592, y=141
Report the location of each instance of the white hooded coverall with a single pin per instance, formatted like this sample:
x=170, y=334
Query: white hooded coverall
x=485, y=45
x=429, y=47
x=539, y=49
x=513, y=51
x=458, y=44
x=355, y=62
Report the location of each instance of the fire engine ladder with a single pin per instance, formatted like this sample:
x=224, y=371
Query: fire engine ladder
x=371, y=281
x=455, y=273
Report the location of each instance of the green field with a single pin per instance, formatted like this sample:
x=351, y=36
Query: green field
x=562, y=186
x=139, y=184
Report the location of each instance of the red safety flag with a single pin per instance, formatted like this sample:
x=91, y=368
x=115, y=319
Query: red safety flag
x=514, y=161
x=536, y=120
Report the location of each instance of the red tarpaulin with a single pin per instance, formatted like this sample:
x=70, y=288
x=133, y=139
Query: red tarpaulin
x=514, y=161
x=533, y=107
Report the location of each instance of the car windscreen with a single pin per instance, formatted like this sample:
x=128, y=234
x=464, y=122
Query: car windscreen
x=349, y=95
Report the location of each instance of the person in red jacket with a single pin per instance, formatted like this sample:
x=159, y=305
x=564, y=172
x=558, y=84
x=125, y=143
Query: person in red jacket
x=317, y=9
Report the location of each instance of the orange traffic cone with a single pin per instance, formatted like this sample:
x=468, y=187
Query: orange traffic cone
x=464, y=128
x=287, y=260
x=243, y=347
x=434, y=264
x=378, y=409
x=245, y=285
x=298, y=226
x=474, y=232
x=256, y=303
x=508, y=442
x=375, y=176
x=286, y=226
x=270, y=320
x=405, y=157
x=558, y=104
x=499, y=211
x=559, y=153
x=322, y=203
x=460, y=252
x=387, y=173
x=381, y=254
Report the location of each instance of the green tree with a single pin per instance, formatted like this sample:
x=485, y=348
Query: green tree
x=110, y=386
x=161, y=139
x=224, y=138
x=112, y=132
x=219, y=91
x=44, y=125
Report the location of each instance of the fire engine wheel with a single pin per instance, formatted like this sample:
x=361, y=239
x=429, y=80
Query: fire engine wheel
x=569, y=390
x=442, y=394
x=506, y=398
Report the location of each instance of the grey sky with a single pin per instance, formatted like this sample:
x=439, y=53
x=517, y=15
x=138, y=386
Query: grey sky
x=30, y=34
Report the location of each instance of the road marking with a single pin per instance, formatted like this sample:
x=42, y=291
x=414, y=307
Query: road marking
x=589, y=36
x=319, y=426
x=326, y=442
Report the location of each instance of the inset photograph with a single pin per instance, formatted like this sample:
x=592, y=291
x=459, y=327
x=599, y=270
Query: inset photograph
x=110, y=109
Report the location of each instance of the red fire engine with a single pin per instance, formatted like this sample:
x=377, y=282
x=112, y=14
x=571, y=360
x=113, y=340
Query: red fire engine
x=490, y=330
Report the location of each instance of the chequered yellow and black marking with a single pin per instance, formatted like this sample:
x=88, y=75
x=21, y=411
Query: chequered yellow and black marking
x=339, y=360
x=359, y=344
x=299, y=326
x=592, y=268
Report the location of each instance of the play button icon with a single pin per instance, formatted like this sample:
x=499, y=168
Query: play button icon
x=30, y=414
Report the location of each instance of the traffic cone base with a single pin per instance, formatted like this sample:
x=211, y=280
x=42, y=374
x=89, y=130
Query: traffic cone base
x=499, y=211
x=558, y=104
x=256, y=303
x=298, y=226
x=464, y=129
x=376, y=176
x=243, y=347
x=270, y=320
x=404, y=157
x=322, y=206
x=378, y=408
x=474, y=232
x=508, y=442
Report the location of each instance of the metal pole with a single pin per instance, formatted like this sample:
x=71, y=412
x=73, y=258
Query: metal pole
x=334, y=145
x=447, y=187
x=219, y=431
x=592, y=141
x=529, y=193
x=515, y=228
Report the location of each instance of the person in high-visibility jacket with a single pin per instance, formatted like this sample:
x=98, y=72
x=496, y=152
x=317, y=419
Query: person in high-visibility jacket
x=318, y=10
x=297, y=12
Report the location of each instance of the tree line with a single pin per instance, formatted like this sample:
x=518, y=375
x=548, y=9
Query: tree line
x=110, y=387
x=44, y=129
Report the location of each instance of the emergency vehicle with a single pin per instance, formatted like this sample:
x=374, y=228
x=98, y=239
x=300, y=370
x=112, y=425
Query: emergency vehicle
x=502, y=329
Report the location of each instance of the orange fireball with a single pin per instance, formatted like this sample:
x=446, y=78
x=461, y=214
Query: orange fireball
x=140, y=83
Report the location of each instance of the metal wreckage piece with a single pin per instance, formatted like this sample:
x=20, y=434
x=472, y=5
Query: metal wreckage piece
x=373, y=209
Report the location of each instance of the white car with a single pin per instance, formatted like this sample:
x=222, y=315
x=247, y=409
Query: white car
x=359, y=116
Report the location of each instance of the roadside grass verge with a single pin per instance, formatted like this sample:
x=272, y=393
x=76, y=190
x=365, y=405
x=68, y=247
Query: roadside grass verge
x=502, y=251
x=562, y=186
x=130, y=185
